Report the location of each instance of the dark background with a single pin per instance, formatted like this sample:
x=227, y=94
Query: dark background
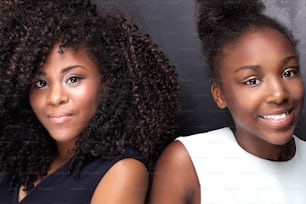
x=172, y=24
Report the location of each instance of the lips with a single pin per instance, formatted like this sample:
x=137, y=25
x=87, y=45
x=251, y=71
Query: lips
x=60, y=118
x=276, y=117
x=279, y=119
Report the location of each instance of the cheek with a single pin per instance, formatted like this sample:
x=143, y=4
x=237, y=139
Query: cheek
x=295, y=90
x=88, y=97
x=299, y=91
x=35, y=101
x=242, y=102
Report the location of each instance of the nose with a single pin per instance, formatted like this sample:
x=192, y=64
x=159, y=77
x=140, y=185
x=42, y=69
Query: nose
x=277, y=92
x=57, y=95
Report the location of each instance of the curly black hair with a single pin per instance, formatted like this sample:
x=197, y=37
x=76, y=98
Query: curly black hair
x=222, y=22
x=139, y=103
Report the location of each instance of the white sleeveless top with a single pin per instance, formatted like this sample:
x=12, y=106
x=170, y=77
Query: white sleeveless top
x=230, y=175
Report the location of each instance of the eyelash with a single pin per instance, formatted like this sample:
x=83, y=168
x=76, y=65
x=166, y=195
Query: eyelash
x=71, y=81
x=76, y=79
x=37, y=83
x=250, y=80
x=292, y=73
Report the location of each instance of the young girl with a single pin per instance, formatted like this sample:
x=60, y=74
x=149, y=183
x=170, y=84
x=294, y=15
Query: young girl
x=256, y=75
x=84, y=100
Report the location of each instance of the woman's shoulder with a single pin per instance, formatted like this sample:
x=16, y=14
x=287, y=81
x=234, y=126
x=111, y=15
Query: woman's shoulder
x=126, y=181
x=5, y=189
x=129, y=153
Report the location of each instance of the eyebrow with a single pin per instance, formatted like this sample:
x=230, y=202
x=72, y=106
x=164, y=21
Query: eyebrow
x=64, y=70
x=288, y=59
x=254, y=67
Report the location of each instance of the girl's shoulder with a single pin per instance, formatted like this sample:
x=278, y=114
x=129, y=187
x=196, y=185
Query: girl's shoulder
x=208, y=140
x=300, y=147
x=175, y=179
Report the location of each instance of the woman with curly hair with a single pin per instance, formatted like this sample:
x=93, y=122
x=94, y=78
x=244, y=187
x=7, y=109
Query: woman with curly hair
x=255, y=74
x=86, y=100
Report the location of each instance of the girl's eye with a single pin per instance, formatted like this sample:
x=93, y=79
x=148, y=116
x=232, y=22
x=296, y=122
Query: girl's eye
x=252, y=82
x=40, y=83
x=74, y=80
x=289, y=73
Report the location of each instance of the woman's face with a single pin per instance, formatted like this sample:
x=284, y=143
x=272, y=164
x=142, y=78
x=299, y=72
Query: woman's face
x=261, y=86
x=65, y=93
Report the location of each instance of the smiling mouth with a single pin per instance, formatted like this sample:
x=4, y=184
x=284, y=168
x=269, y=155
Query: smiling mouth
x=276, y=117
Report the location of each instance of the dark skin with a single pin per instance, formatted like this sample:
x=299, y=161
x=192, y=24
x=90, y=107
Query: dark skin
x=64, y=95
x=139, y=97
x=175, y=179
x=263, y=90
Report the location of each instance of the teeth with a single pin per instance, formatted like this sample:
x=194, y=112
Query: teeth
x=275, y=117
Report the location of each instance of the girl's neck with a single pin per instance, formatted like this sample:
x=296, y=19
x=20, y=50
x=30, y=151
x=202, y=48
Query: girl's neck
x=265, y=150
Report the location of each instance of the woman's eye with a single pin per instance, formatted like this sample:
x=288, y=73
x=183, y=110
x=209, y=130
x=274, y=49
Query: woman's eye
x=290, y=73
x=74, y=81
x=40, y=83
x=252, y=82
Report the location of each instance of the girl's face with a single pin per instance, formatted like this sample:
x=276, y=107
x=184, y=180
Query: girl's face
x=261, y=86
x=65, y=93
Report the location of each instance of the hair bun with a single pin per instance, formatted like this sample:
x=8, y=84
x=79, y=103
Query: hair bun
x=217, y=11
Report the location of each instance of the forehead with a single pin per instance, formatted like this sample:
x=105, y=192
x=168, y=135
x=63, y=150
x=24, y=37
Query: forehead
x=256, y=47
x=62, y=57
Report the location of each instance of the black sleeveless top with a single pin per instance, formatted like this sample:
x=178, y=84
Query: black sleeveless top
x=59, y=188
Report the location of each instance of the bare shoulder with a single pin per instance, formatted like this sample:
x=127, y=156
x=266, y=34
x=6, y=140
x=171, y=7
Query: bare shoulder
x=175, y=156
x=174, y=178
x=125, y=182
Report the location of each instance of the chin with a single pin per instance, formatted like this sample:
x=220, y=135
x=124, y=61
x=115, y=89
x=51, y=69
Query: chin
x=280, y=140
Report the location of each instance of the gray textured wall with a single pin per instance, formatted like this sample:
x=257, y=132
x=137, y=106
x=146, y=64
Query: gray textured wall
x=172, y=24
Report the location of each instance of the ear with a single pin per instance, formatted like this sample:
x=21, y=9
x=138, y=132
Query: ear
x=218, y=96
